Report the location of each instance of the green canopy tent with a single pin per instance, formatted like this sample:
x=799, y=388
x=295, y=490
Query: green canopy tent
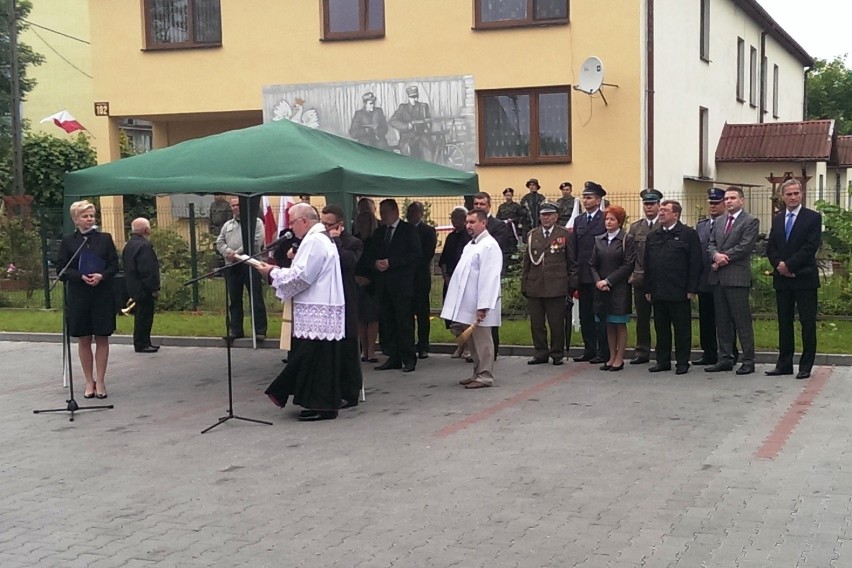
x=276, y=158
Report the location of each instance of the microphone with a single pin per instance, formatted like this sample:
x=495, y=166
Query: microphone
x=286, y=237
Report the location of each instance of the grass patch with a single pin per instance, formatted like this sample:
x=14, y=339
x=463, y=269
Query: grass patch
x=833, y=335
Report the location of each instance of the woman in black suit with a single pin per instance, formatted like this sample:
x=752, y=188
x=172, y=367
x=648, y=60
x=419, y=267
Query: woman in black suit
x=611, y=265
x=89, y=300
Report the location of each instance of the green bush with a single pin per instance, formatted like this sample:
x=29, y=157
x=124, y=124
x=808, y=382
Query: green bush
x=20, y=251
x=174, y=295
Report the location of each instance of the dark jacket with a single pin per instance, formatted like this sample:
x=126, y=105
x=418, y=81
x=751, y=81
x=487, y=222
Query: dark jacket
x=548, y=265
x=141, y=268
x=704, y=228
x=501, y=233
x=99, y=244
x=402, y=254
x=584, y=242
x=672, y=263
x=799, y=253
x=613, y=262
x=350, y=249
x=428, y=243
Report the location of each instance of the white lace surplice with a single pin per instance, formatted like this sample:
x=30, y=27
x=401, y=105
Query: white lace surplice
x=315, y=284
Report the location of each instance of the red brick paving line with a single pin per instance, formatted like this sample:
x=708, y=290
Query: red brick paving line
x=503, y=405
x=773, y=444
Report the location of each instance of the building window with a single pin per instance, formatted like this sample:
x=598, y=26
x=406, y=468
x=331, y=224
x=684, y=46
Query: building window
x=353, y=19
x=703, y=142
x=752, y=81
x=704, y=48
x=525, y=126
x=740, y=70
x=775, y=91
x=177, y=24
x=516, y=13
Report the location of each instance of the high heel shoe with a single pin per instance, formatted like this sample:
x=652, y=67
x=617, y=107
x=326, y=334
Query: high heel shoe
x=619, y=368
x=605, y=367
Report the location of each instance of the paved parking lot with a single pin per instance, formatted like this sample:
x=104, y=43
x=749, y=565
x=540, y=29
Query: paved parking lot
x=554, y=466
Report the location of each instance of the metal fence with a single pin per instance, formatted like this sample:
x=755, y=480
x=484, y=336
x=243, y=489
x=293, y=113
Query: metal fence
x=194, y=253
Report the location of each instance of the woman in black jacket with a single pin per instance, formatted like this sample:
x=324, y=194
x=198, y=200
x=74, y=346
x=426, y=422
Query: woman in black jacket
x=611, y=264
x=89, y=300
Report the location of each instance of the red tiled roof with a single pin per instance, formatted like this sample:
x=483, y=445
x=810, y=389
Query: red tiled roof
x=809, y=140
x=844, y=151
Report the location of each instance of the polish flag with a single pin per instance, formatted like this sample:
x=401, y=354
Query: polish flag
x=284, y=204
x=270, y=227
x=574, y=214
x=65, y=121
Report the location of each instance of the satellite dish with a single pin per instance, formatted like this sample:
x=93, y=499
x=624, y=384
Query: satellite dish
x=591, y=77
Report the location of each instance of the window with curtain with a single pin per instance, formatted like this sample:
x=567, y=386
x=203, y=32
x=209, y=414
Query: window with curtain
x=524, y=126
x=176, y=24
x=353, y=19
x=514, y=13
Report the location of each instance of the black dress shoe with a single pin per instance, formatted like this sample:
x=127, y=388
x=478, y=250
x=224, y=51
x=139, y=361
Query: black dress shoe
x=349, y=403
x=681, y=369
x=233, y=336
x=776, y=372
x=317, y=415
x=408, y=368
x=617, y=368
x=423, y=354
x=557, y=362
x=659, y=368
x=803, y=375
x=148, y=349
x=605, y=367
x=719, y=367
x=535, y=361
x=639, y=360
x=597, y=360
x=745, y=369
x=703, y=361
x=389, y=364
x=583, y=358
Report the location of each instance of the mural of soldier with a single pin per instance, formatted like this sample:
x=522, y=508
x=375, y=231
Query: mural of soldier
x=369, y=125
x=414, y=123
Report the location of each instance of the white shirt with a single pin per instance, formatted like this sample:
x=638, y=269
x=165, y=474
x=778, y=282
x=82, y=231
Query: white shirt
x=475, y=284
x=315, y=284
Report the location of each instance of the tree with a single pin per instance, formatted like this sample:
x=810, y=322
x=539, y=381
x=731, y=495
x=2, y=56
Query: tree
x=47, y=159
x=830, y=93
x=26, y=58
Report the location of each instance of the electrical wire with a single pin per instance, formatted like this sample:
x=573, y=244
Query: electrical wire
x=29, y=23
x=62, y=57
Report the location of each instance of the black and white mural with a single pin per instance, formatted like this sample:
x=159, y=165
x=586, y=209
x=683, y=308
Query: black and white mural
x=428, y=118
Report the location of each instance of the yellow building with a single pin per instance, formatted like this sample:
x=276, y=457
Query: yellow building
x=198, y=68
x=60, y=32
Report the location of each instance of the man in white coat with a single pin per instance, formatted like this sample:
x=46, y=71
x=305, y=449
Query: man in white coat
x=473, y=295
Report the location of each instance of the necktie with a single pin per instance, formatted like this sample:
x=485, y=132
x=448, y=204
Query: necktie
x=589, y=217
x=728, y=224
x=650, y=224
x=788, y=226
x=388, y=236
x=712, y=225
x=546, y=234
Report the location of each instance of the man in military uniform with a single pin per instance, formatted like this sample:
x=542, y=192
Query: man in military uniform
x=413, y=121
x=706, y=307
x=369, y=125
x=639, y=231
x=588, y=225
x=547, y=268
x=532, y=202
x=512, y=213
x=565, y=203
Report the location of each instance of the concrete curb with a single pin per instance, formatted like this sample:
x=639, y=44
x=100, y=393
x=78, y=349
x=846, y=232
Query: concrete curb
x=443, y=348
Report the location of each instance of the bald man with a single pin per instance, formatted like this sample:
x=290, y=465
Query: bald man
x=142, y=275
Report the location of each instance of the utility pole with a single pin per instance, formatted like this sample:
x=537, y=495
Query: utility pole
x=15, y=102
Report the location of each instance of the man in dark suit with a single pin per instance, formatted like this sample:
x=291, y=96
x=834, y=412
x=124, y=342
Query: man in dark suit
x=501, y=233
x=350, y=250
x=395, y=251
x=672, y=244
x=547, y=268
x=639, y=231
x=588, y=225
x=731, y=244
x=142, y=274
x=794, y=239
x=422, y=275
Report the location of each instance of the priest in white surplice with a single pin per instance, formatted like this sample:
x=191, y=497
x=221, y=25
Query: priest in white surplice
x=314, y=282
x=473, y=295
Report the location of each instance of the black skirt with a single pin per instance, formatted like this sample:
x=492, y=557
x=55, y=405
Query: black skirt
x=311, y=375
x=90, y=309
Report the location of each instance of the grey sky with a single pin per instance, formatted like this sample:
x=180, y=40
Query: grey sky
x=817, y=25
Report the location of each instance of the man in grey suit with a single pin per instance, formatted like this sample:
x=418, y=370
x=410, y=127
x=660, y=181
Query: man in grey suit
x=731, y=244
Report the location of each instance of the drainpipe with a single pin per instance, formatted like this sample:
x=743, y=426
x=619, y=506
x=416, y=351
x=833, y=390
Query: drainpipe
x=761, y=109
x=649, y=93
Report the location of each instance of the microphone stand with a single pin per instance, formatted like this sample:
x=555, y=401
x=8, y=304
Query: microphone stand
x=71, y=404
x=228, y=341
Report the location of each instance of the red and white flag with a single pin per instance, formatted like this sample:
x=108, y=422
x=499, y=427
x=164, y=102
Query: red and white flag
x=270, y=226
x=284, y=204
x=65, y=121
